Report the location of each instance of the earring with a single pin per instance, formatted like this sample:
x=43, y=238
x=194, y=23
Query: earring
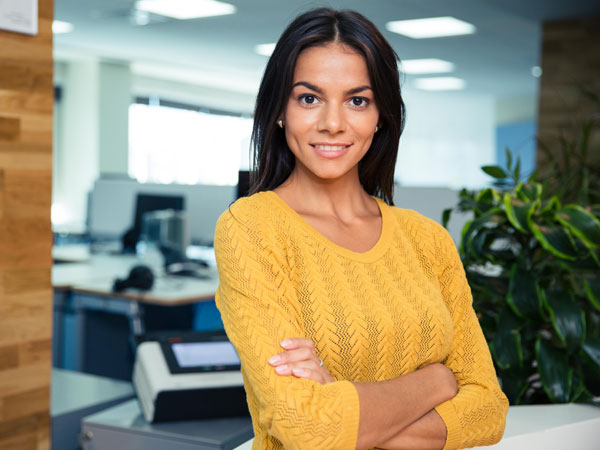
x=376, y=128
x=280, y=123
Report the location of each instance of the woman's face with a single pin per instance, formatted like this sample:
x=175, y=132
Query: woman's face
x=331, y=114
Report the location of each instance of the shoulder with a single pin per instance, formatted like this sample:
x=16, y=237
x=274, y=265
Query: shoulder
x=247, y=212
x=250, y=220
x=423, y=231
x=409, y=219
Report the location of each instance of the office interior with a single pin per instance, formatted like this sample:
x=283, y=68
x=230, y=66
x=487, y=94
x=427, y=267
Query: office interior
x=149, y=127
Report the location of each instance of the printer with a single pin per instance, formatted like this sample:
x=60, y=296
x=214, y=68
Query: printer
x=189, y=376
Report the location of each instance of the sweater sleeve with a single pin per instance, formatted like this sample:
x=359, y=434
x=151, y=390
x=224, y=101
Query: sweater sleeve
x=476, y=415
x=259, y=308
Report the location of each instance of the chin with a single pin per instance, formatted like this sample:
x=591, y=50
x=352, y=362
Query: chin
x=330, y=175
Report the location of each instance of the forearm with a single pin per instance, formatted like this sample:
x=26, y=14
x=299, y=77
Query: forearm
x=426, y=433
x=388, y=407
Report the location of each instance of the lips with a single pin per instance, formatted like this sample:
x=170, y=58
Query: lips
x=330, y=151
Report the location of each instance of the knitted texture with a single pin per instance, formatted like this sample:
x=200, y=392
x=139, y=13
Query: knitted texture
x=401, y=305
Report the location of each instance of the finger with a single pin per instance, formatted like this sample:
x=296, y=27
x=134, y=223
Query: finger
x=305, y=364
x=315, y=375
x=299, y=354
x=293, y=343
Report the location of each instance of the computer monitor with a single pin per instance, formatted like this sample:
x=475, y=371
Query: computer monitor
x=243, y=183
x=146, y=203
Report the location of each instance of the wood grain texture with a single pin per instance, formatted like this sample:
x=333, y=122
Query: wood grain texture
x=26, y=115
x=10, y=128
x=570, y=64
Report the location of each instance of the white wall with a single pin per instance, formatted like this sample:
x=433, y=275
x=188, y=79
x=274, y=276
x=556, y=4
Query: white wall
x=447, y=138
x=76, y=155
x=114, y=91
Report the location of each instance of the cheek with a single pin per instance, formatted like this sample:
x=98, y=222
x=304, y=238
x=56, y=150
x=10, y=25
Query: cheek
x=364, y=127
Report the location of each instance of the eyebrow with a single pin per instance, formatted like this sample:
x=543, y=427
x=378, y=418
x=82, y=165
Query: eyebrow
x=320, y=91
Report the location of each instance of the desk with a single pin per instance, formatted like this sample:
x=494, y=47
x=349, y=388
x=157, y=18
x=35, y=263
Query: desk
x=547, y=427
x=84, y=287
x=76, y=395
x=124, y=427
x=550, y=427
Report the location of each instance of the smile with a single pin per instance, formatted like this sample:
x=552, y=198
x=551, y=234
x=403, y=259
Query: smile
x=330, y=148
x=331, y=151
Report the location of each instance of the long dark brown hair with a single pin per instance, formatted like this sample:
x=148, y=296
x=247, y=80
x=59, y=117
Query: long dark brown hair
x=273, y=161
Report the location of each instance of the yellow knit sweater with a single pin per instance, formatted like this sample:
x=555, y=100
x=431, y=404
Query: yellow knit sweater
x=403, y=304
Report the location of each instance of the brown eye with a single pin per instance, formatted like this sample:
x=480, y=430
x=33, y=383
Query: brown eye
x=308, y=99
x=359, y=101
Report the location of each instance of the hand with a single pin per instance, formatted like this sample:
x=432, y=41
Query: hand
x=301, y=360
x=446, y=380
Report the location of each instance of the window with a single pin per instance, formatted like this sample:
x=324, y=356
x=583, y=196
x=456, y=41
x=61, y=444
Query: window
x=173, y=143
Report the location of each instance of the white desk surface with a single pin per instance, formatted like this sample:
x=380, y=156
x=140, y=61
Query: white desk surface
x=98, y=274
x=72, y=391
x=73, y=253
x=543, y=427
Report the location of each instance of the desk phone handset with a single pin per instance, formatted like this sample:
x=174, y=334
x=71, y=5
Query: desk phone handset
x=140, y=277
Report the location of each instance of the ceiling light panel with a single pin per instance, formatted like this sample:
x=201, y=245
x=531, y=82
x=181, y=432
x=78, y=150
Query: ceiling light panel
x=427, y=65
x=185, y=9
x=440, y=84
x=60, y=27
x=265, y=49
x=431, y=28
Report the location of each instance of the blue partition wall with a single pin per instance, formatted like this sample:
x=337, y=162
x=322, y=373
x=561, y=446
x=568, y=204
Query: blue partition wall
x=520, y=138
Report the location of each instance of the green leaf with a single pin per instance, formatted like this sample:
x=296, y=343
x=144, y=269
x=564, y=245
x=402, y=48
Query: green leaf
x=582, y=224
x=591, y=375
x=506, y=345
x=489, y=219
x=529, y=192
x=577, y=387
x=522, y=293
x=495, y=171
x=567, y=318
x=555, y=374
x=592, y=292
x=519, y=213
x=591, y=349
x=556, y=240
x=518, y=169
x=486, y=200
x=446, y=217
x=508, y=158
x=489, y=196
x=551, y=205
x=514, y=383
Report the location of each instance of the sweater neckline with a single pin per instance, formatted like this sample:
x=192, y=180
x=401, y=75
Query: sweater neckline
x=370, y=255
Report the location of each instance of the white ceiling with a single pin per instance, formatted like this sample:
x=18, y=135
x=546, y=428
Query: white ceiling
x=219, y=51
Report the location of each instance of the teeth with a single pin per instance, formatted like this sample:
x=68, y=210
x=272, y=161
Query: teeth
x=330, y=148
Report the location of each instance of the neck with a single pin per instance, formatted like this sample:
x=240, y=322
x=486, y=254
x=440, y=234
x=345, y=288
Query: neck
x=343, y=198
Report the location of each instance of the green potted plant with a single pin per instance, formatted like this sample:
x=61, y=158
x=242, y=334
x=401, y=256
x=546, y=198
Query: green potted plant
x=533, y=264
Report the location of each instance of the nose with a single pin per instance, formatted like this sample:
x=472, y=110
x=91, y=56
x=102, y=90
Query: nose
x=332, y=118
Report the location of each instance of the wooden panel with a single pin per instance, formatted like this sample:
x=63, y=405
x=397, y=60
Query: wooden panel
x=22, y=381
x=10, y=128
x=26, y=108
x=22, y=433
x=570, y=62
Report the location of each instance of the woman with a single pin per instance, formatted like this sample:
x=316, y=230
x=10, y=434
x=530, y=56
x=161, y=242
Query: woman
x=352, y=318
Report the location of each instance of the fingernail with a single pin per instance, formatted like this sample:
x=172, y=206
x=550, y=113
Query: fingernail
x=274, y=359
x=280, y=369
x=298, y=371
x=286, y=343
